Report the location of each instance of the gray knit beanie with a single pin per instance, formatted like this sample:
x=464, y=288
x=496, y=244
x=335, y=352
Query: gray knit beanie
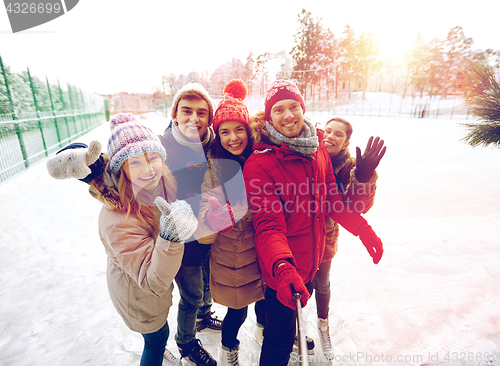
x=190, y=90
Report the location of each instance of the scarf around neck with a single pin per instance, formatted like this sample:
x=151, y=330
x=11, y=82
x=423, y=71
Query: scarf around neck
x=306, y=143
x=195, y=145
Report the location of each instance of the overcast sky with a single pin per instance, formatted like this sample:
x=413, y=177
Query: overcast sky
x=107, y=46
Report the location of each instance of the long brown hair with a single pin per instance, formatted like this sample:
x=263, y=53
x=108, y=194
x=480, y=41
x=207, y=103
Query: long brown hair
x=144, y=212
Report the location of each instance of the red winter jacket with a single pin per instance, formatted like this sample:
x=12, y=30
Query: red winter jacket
x=290, y=195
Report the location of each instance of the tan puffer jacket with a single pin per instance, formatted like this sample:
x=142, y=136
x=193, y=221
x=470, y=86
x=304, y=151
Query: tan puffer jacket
x=235, y=277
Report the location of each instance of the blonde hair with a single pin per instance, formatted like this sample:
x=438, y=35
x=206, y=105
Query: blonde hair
x=143, y=212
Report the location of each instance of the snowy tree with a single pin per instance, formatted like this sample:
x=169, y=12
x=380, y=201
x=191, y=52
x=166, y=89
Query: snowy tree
x=234, y=69
x=456, y=52
x=348, y=54
x=490, y=56
x=194, y=77
x=482, y=97
x=250, y=72
x=416, y=61
x=286, y=65
x=307, y=50
x=171, y=84
x=366, y=56
x=5, y=106
x=262, y=71
x=330, y=60
x=435, y=66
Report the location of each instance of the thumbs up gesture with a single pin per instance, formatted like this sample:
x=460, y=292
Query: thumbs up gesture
x=177, y=221
x=219, y=218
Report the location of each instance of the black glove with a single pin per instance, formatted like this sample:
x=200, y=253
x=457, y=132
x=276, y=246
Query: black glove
x=366, y=164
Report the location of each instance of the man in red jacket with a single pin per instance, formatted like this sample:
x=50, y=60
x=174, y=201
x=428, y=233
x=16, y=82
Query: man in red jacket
x=291, y=187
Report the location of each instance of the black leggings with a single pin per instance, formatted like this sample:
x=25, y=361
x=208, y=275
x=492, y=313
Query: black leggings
x=231, y=325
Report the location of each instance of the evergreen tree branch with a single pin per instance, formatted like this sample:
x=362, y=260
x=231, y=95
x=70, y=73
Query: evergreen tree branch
x=482, y=96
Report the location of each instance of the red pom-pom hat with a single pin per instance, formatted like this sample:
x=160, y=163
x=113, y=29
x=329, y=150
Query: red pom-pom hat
x=232, y=108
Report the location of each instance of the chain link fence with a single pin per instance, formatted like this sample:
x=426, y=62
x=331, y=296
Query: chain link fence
x=38, y=118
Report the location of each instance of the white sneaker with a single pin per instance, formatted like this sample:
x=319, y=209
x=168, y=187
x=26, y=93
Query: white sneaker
x=170, y=360
x=229, y=357
x=324, y=337
x=259, y=334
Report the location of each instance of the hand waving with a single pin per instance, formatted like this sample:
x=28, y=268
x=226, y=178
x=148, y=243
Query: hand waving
x=368, y=162
x=74, y=162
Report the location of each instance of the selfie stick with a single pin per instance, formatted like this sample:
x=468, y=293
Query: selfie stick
x=303, y=358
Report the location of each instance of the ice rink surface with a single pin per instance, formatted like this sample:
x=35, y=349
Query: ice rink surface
x=432, y=300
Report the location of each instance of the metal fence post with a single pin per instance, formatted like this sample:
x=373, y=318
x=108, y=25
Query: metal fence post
x=106, y=109
x=14, y=117
x=82, y=101
x=37, y=113
x=64, y=108
x=72, y=109
x=53, y=112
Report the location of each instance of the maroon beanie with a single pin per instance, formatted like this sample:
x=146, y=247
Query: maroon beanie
x=281, y=90
x=232, y=108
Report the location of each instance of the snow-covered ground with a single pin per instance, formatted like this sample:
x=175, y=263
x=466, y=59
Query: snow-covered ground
x=432, y=300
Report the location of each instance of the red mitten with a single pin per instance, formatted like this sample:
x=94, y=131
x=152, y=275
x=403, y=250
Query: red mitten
x=371, y=242
x=220, y=219
x=289, y=283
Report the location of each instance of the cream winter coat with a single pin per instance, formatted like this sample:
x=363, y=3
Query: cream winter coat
x=140, y=268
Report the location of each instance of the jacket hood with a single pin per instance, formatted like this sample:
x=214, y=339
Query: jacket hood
x=257, y=124
x=339, y=161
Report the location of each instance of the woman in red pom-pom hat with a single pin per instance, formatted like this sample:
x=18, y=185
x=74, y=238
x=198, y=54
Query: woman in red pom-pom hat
x=235, y=279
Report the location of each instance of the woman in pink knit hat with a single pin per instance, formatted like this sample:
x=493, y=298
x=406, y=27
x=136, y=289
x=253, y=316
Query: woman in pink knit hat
x=142, y=227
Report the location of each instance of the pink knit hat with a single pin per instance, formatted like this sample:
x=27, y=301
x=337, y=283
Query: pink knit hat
x=129, y=139
x=281, y=90
x=232, y=108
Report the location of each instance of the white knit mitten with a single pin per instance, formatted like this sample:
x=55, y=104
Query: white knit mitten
x=74, y=163
x=177, y=222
